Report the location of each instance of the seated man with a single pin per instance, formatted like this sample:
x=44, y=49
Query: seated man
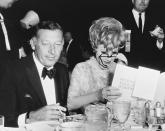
x=35, y=87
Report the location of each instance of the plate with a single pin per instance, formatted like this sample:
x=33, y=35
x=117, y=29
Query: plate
x=71, y=126
x=75, y=118
x=50, y=123
x=11, y=129
x=42, y=126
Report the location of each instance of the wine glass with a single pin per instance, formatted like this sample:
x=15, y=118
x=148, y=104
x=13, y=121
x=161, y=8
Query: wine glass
x=121, y=111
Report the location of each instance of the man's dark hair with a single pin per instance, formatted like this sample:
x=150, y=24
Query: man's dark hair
x=50, y=25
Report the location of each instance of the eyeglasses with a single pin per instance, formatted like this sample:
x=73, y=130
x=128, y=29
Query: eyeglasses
x=122, y=45
x=113, y=54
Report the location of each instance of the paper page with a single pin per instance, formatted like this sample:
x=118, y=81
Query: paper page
x=146, y=83
x=124, y=79
x=160, y=91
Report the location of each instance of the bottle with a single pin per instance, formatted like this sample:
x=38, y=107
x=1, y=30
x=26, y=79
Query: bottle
x=146, y=114
x=158, y=109
x=128, y=41
x=158, y=112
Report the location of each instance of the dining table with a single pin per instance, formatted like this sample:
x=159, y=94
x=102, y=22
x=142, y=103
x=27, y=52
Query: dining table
x=55, y=126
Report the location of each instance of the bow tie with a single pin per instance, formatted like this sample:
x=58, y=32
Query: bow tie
x=49, y=73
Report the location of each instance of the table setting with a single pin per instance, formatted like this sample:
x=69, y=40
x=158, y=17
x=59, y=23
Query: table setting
x=118, y=115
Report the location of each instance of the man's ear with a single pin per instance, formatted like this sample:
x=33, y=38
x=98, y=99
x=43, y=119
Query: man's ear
x=33, y=41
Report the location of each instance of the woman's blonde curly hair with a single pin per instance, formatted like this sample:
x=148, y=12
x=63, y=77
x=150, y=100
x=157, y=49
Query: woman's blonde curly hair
x=101, y=30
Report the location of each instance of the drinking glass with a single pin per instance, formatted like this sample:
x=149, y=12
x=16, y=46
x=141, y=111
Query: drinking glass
x=139, y=111
x=1, y=121
x=121, y=111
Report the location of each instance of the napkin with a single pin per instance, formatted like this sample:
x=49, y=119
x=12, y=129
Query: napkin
x=39, y=126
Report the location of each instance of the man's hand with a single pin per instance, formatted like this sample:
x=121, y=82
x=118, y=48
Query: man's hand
x=50, y=112
x=158, y=33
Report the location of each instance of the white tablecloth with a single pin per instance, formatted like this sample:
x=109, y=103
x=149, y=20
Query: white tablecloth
x=88, y=126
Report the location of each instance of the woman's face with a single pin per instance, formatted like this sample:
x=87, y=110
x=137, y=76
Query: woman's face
x=107, y=54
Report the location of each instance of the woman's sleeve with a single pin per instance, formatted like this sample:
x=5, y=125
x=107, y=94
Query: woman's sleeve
x=78, y=82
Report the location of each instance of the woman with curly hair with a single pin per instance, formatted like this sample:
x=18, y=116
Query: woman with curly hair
x=91, y=80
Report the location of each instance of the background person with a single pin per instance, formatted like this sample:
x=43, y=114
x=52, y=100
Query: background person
x=145, y=50
x=27, y=24
x=9, y=36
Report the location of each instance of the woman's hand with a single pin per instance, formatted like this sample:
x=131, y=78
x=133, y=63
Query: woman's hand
x=110, y=93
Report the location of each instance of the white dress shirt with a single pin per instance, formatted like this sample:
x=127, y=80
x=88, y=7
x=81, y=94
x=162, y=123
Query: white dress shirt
x=48, y=88
x=136, y=17
x=8, y=48
x=5, y=32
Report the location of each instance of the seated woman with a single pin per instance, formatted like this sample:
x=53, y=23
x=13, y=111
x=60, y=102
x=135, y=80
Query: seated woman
x=91, y=80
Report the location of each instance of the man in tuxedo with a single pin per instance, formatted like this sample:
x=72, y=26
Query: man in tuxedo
x=72, y=53
x=145, y=49
x=35, y=87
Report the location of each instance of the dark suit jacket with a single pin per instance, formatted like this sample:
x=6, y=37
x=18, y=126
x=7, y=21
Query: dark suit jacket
x=14, y=39
x=144, y=51
x=21, y=89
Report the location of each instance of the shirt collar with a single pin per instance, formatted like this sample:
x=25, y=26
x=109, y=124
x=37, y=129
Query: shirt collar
x=39, y=65
x=135, y=12
x=1, y=17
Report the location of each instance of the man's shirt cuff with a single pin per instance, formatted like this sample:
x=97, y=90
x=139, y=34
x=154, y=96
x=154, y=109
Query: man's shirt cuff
x=21, y=119
x=159, y=45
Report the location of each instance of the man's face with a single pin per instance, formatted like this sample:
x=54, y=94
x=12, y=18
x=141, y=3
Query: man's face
x=140, y=5
x=47, y=46
x=6, y=3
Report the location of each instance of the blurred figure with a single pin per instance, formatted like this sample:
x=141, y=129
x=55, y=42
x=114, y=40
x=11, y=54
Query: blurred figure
x=91, y=80
x=9, y=39
x=30, y=19
x=27, y=23
x=6, y=3
x=73, y=51
x=146, y=44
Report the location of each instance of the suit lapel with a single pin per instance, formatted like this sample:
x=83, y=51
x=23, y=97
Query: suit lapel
x=148, y=26
x=133, y=25
x=35, y=80
x=132, y=20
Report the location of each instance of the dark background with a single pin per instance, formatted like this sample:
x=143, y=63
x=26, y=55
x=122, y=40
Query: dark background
x=77, y=15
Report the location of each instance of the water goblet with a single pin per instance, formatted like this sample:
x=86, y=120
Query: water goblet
x=121, y=111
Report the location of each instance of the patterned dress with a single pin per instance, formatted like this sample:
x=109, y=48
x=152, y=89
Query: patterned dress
x=88, y=77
